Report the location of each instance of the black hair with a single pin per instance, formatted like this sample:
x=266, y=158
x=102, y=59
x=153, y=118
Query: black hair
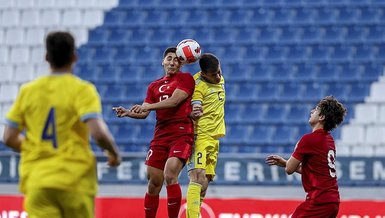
x=334, y=112
x=169, y=50
x=60, y=48
x=208, y=63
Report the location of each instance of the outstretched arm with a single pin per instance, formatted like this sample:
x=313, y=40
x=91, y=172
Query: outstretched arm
x=123, y=112
x=176, y=98
x=292, y=165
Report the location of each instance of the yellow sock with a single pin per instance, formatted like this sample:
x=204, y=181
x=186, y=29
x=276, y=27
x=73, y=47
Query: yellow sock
x=193, y=200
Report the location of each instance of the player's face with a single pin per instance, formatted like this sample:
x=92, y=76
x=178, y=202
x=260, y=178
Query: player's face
x=314, y=116
x=213, y=77
x=171, y=64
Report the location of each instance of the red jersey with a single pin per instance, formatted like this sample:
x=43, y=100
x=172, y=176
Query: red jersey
x=173, y=122
x=317, y=152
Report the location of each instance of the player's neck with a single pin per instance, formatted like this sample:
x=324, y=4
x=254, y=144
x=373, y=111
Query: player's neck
x=61, y=70
x=318, y=126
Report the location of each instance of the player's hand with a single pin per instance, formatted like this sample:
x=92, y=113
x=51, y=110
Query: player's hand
x=197, y=111
x=275, y=160
x=138, y=109
x=120, y=111
x=114, y=160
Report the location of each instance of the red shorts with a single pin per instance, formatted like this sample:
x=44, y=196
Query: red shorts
x=307, y=209
x=159, y=153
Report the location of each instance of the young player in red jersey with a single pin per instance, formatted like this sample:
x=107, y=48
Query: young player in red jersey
x=172, y=144
x=314, y=157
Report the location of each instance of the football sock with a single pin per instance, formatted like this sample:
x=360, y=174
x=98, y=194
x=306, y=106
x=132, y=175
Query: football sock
x=193, y=200
x=151, y=203
x=174, y=197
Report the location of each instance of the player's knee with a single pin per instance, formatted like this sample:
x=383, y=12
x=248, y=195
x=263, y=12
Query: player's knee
x=198, y=177
x=170, y=178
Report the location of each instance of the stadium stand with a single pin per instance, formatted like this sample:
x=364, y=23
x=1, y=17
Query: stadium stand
x=278, y=57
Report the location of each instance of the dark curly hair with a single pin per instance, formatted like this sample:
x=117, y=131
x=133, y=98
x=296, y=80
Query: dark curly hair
x=333, y=111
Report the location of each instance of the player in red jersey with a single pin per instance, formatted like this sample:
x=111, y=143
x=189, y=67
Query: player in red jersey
x=314, y=157
x=172, y=144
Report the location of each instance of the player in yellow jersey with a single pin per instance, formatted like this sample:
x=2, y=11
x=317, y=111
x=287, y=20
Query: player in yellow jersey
x=58, y=112
x=208, y=112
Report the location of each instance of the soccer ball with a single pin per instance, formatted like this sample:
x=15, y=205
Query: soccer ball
x=188, y=51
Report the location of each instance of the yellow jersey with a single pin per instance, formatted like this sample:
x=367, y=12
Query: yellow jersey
x=212, y=98
x=56, y=152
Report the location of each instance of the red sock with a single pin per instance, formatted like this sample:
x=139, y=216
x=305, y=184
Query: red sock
x=174, y=197
x=151, y=203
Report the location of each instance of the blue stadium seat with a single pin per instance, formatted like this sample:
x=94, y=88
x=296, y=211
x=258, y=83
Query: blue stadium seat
x=312, y=92
x=86, y=71
x=327, y=72
x=354, y=34
x=350, y=72
x=131, y=73
x=276, y=53
x=108, y=113
x=267, y=35
x=380, y=53
x=134, y=17
x=176, y=17
x=237, y=134
x=181, y=33
x=304, y=72
x=325, y=15
x=231, y=90
x=341, y=53
x=303, y=15
x=346, y=15
x=114, y=17
x=151, y=3
x=298, y=114
x=135, y=92
x=118, y=36
x=359, y=91
x=217, y=16
x=161, y=36
x=281, y=16
x=320, y=53
x=332, y=34
x=310, y=34
x=223, y=35
x=114, y=92
x=261, y=15
x=154, y=17
x=203, y=35
x=197, y=16
x=233, y=112
x=282, y=72
x=124, y=55
x=237, y=72
x=85, y=53
x=125, y=133
x=253, y=113
x=140, y=35
x=268, y=92
x=262, y=72
x=284, y=135
x=372, y=71
x=108, y=73
x=338, y=90
x=245, y=34
x=276, y=113
x=261, y=134
x=375, y=33
x=363, y=53
x=146, y=133
x=239, y=16
x=253, y=53
x=247, y=91
x=290, y=92
x=297, y=53
x=369, y=15
x=98, y=35
x=289, y=34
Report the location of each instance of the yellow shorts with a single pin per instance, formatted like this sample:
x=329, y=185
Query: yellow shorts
x=55, y=203
x=205, y=154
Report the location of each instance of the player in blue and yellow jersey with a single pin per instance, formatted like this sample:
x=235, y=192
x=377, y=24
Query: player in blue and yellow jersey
x=208, y=114
x=57, y=113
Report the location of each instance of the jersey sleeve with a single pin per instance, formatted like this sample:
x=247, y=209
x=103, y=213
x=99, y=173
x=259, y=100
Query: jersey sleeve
x=87, y=103
x=186, y=83
x=198, y=94
x=150, y=95
x=302, y=148
x=14, y=117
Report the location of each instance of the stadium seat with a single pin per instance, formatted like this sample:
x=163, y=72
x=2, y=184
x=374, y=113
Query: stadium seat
x=276, y=113
x=135, y=92
x=177, y=17
x=327, y=72
x=261, y=15
x=304, y=72
x=115, y=35
x=24, y=73
x=239, y=16
x=253, y=113
x=298, y=114
x=268, y=92
x=353, y=135
x=223, y=35
x=261, y=134
x=341, y=53
x=283, y=135
x=6, y=73
x=34, y=36
x=312, y=92
x=320, y=53
x=368, y=15
x=115, y=17
x=14, y=36
x=347, y=15
x=154, y=17
x=247, y=91
x=375, y=135
x=4, y=55
x=359, y=91
x=325, y=15
x=332, y=34
x=371, y=72
x=281, y=16
x=237, y=134
x=366, y=114
x=338, y=90
x=354, y=34
x=288, y=34
x=267, y=35
x=290, y=92
x=375, y=34
x=233, y=112
x=237, y=72
x=310, y=34
x=297, y=53
x=350, y=72
x=146, y=133
x=8, y=92
x=362, y=151
x=303, y=15
x=261, y=72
